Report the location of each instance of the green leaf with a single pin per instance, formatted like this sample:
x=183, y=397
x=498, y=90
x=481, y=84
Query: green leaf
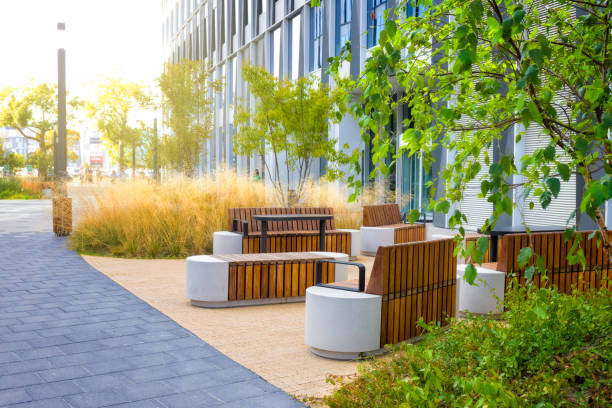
x=529, y=272
x=564, y=171
x=476, y=10
x=540, y=312
x=554, y=185
x=413, y=215
x=534, y=112
x=545, y=199
x=549, y=152
x=463, y=62
x=532, y=74
x=518, y=15
x=524, y=256
x=470, y=274
x=483, y=245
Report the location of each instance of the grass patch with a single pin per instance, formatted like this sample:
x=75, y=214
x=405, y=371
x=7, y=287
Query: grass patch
x=15, y=189
x=551, y=350
x=178, y=218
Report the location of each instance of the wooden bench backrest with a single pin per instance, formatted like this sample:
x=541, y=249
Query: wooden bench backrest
x=384, y=214
x=246, y=214
x=553, y=247
x=415, y=280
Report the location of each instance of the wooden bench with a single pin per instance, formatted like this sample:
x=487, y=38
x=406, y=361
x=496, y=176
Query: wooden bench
x=382, y=225
x=552, y=246
x=287, y=236
x=408, y=282
x=249, y=279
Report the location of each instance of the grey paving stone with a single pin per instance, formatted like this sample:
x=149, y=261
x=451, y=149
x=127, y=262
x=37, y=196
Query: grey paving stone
x=71, y=337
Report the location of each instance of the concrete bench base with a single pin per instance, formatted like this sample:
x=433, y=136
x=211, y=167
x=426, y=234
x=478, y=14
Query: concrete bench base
x=355, y=242
x=341, y=324
x=250, y=302
x=373, y=237
x=208, y=279
x=486, y=296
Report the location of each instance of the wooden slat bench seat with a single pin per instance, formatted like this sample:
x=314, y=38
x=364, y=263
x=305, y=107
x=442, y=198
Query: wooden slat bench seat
x=287, y=236
x=380, y=219
x=552, y=246
x=245, y=279
x=411, y=281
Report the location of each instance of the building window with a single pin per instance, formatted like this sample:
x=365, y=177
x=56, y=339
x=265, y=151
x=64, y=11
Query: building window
x=316, y=33
x=295, y=45
x=204, y=37
x=275, y=40
x=222, y=23
x=233, y=21
x=213, y=36
x=197, y=42
x=344, y=11
x=415, y=10
x=376, y=20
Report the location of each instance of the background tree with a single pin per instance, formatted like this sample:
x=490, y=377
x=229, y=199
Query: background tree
x=498, y=63
x=116, y=109
x=187, y=100
x=291, y=121
x=13, y=160
x=32, y=111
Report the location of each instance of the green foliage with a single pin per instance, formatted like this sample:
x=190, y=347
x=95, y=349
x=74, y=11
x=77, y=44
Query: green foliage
x=290, y=120
x=188, y=96
x=13, y=160
x=493, y=65
x=551, y=350
x=12, y=189
x=115, y=112
x=32, y=111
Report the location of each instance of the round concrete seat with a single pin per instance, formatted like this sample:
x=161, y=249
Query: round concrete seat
x=207, y=279
x=485, y=296
x=341, y=324
x=226, y=242
x=373, y=237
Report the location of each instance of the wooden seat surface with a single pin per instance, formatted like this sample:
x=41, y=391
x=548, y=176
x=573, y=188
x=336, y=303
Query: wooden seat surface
x=271, y=257
x=388, y=216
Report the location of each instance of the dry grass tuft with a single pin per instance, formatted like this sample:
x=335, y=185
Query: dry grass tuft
x=177, y=218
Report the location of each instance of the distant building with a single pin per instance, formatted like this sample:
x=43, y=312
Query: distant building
x=13, y=141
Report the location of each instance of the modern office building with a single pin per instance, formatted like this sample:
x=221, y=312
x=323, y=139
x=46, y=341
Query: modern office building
x=292, y=39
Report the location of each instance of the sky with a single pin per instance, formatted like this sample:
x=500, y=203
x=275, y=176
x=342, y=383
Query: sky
x=116, y=38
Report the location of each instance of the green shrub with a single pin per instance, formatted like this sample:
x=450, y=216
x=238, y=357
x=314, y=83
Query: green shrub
x=550, y=350
x=13, y=189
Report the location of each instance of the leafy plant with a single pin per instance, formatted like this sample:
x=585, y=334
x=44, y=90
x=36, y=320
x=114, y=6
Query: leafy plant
x=551, y=350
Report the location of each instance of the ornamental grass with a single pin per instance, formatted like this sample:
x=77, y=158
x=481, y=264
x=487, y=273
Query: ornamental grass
x=177, y=218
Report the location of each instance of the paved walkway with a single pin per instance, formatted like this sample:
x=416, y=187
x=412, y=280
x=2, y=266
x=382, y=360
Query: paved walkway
x=71, y=337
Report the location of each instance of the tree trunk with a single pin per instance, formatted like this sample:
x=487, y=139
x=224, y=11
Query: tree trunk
x=121, y=164
x=42, y=159
x=133, y=161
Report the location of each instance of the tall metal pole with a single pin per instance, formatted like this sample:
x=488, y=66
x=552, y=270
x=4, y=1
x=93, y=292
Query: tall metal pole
x=60, y=145
x=155, y=142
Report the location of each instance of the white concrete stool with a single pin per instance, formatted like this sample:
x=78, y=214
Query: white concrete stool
x=341, y=324
x=355, y=242
x=207, y=280
x=340, y=271
x=225, y=242
x=373, y=237
x=487, y=293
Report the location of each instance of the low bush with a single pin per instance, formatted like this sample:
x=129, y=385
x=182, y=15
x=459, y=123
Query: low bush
x=173, y=219
x=15, y=189
x=550, y=350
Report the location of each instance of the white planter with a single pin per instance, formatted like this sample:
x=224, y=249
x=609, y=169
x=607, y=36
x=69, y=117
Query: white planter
x=485, y=296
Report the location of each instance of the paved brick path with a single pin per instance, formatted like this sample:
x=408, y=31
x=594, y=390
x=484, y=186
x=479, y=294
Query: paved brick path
x=71, y=337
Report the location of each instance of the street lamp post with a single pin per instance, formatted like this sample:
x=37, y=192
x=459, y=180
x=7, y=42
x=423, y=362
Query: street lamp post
x=60, y=144
x=62, y=205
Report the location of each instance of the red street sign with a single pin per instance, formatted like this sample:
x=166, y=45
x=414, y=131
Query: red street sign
x=98, y=159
